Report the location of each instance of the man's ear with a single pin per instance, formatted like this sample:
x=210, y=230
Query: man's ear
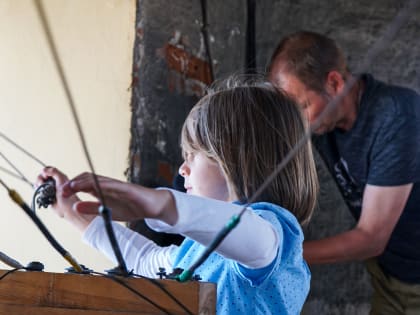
x=334, y=84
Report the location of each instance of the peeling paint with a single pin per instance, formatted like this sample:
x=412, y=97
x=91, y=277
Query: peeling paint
x=140, y=33
x=187, y=64
x=234, y=32
x=176, y=39
x=161, y=145
x=139, y=119
x=202, y=51
x=161, y=136
x=190, y=87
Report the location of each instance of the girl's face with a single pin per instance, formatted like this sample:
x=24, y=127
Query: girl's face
x=204, y=177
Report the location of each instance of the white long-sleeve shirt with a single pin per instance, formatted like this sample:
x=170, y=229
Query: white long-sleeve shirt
x=253, y=243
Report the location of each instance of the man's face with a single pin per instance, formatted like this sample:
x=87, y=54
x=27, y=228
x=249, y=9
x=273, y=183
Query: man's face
x=312, y=103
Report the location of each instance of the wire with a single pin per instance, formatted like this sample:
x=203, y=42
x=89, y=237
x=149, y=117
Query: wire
x=160, y=286
x=22, y=149
x=22, y=177
x=5, y=170
x=204, y=32
x=40, y=9
x=19, y=174
x=9, y=272
x=60, y=70
x=106, y=215
x=227, y=228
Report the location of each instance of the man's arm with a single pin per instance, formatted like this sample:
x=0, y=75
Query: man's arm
x=381, y=209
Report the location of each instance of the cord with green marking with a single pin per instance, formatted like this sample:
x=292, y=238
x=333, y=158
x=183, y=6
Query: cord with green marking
x=229, y=226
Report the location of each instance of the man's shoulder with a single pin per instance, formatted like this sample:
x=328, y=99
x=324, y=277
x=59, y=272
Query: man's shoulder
x=388, y=99
x=385, y=108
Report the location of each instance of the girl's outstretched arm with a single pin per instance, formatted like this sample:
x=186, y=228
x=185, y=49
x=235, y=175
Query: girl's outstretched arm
x=127, y=201
x=254, y=242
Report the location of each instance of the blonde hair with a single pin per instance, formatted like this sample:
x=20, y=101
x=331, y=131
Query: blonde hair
x=248, y=128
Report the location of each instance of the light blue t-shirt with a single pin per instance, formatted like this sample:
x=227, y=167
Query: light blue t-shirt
x=280, y=288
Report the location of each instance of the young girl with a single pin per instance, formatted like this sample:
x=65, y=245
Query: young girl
x=232, y=140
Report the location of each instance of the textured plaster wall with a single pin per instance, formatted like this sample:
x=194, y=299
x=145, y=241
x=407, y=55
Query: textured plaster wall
x=170, y=74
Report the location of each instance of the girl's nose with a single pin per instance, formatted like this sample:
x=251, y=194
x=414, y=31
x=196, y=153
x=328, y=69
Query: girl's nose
x=184, y=170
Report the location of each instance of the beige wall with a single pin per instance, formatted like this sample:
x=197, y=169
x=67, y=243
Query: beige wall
x=95, y=40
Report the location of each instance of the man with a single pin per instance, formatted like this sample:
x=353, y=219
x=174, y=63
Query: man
x=371, y=144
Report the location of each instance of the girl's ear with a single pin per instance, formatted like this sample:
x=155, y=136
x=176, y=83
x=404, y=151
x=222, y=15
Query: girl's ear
x=334, y=83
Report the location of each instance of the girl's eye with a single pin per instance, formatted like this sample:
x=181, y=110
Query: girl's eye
x=188, y=156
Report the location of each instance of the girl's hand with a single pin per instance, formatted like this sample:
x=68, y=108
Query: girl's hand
x=127, y=201
x=64, y=204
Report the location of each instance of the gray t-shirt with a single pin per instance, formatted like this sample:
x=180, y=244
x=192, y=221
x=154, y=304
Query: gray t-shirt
x=382, y=149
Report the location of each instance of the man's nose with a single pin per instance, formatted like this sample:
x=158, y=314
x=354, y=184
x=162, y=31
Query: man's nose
x=309, y=115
